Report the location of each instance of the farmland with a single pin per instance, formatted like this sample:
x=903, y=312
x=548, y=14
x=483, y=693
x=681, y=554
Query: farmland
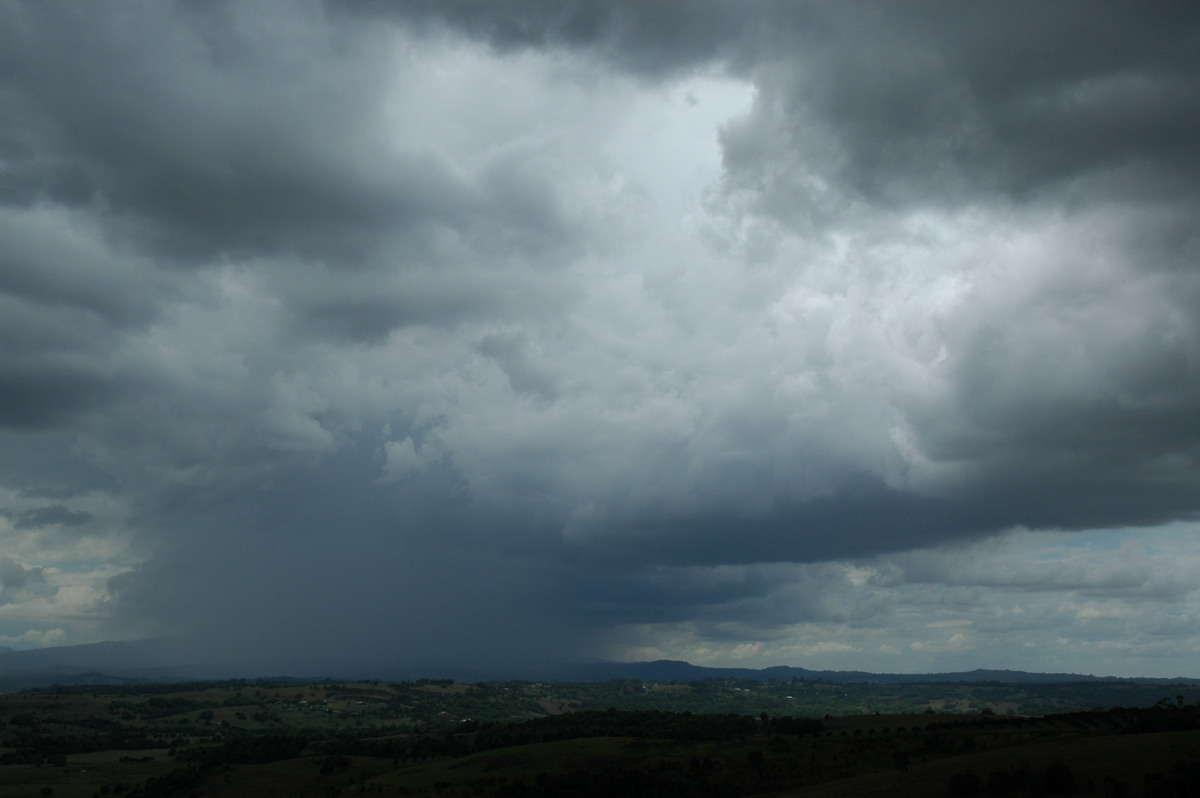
x=715, y=737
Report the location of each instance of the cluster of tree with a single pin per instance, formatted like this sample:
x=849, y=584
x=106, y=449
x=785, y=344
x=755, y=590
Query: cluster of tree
x=1166, y=715
x=159, y=707
x=36, y=746
x=207, y=761
x=639, y=724
x=467, y=738
x=248, y=750
x=165, y=688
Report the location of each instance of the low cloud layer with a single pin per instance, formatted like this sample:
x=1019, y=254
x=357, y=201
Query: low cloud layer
x=359, y=335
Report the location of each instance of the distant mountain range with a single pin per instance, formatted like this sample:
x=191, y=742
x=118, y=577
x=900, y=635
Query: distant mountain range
x=115, y=662
x=674, y=670
x=137, y=661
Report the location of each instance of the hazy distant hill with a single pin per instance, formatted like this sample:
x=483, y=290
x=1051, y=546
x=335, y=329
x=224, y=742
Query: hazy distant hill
x=112, y=662
x=674, y=670
x=160, y=661
x=113, y=655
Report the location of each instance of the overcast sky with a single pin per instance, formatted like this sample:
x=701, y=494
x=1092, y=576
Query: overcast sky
x=841, y=335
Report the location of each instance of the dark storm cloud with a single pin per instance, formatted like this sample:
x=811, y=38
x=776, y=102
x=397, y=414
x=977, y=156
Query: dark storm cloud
x=13, y=576
x=649, y=39
x=1073, y=396
x=942, y=103
x=385, y=348
x=48, y=394
x=201, y=135
x=925, y=99
x=758, y=596
x=1066, y=419
x=325, y=572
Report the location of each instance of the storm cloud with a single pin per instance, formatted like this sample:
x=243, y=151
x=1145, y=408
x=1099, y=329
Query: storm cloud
x=380, y=335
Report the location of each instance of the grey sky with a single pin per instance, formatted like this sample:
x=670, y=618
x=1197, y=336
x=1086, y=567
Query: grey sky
x=858, y=335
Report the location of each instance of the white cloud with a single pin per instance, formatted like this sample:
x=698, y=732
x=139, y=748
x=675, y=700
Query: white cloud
x=401, y=460
x=36, y=638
